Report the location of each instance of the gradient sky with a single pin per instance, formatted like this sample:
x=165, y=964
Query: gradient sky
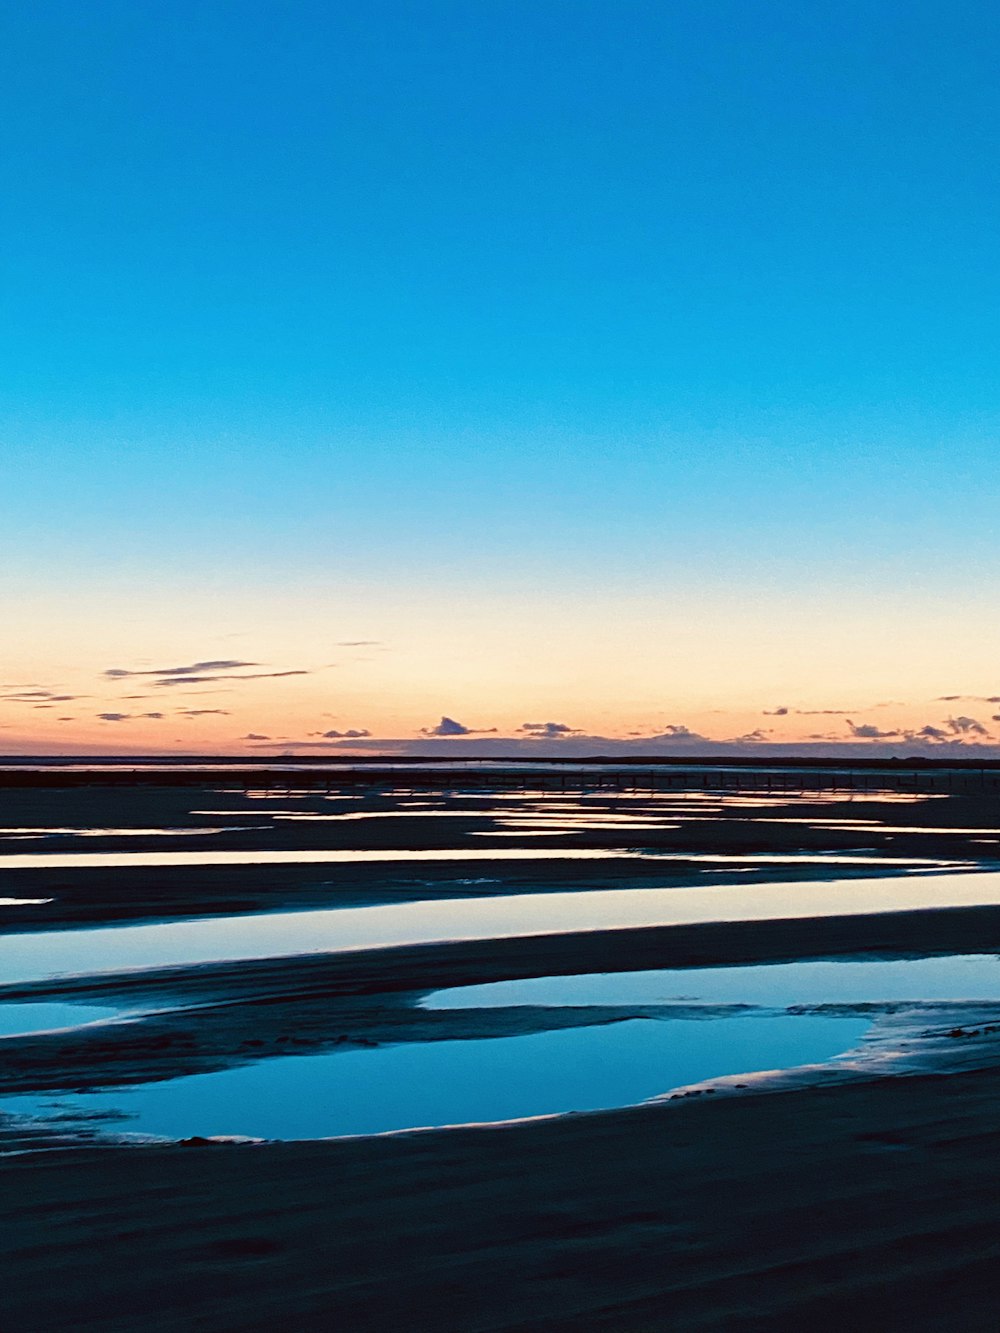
x=625, y=366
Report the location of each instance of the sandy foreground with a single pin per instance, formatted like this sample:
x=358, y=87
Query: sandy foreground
x=839, y=1199
x=860, y=1200
x=871, y=1205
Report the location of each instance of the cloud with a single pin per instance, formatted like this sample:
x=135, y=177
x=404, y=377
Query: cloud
x=867, y=731
x=680, y=741
x=928, y=733
x=127, y=717
x=449, y=727
x=254, y=736
x=756, y=736
x=548, y=731
x=196, y=668
x=202, y=712
x=785, y=711
x=207, y=672
x=956, y=730
x=351, y=734
x=973, y=698
x=39, y=696
x=675, y=731
x=966, y=726
x=204, y=680
x=359, y=643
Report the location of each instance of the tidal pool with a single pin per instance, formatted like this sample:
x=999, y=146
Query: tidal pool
x=18, y=1018
x=36, y=955
x=450, y=1082
x=955, y=977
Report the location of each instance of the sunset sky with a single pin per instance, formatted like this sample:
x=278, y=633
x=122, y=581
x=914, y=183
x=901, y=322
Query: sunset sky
x=528, y=374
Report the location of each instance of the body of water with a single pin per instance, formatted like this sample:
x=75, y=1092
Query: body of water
x=955, y=977
x=36, y=955
x=18, y=1018
x=451, y=1082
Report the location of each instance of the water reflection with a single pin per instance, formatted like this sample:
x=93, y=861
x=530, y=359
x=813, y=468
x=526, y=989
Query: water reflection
x=958, y=977
x=308, y=856
x=17, y=1019
x=455, y=1082
x=35, y=955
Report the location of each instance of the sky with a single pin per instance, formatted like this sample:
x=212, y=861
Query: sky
x=504, y=376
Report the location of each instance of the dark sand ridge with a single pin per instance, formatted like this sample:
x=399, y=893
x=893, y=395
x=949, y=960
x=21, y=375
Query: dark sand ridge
x=94, y=895
x=213, y=1016
x=873, y=1206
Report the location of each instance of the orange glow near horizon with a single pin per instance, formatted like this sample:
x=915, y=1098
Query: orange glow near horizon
x=116, y=674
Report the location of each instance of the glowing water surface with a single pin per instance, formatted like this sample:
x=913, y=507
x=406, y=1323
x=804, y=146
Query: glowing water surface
x=261, y=856
x=826, y=981
x=354, y=856
x=35, y=955
x=454, y=1082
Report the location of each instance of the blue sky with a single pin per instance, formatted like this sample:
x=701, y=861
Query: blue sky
x=320, y=316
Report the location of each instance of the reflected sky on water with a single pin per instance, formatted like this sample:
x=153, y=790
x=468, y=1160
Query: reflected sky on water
x=35, y=955
x=456, y=1082
x=825, y=981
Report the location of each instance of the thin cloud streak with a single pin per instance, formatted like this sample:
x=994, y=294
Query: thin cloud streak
x=129, y=717
x=196, y=668
x=209, y=680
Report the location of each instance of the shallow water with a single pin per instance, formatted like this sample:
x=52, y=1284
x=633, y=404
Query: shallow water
x=349, y=855
x=269, y=856
x=456, y=1082
x=828, y=981
x=32, y=956
x=14, y=834
x=17, y=1019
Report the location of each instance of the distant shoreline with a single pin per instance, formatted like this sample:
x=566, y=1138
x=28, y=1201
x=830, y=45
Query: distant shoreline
x=766, y=757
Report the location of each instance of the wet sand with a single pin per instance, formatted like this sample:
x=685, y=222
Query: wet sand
x=217, y=1015
x=92, y=895
x=873, y=1206
x=806, y=1202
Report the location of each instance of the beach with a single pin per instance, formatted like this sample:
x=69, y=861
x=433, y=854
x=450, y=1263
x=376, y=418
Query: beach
x=873, y=1205
x=815, y=1191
